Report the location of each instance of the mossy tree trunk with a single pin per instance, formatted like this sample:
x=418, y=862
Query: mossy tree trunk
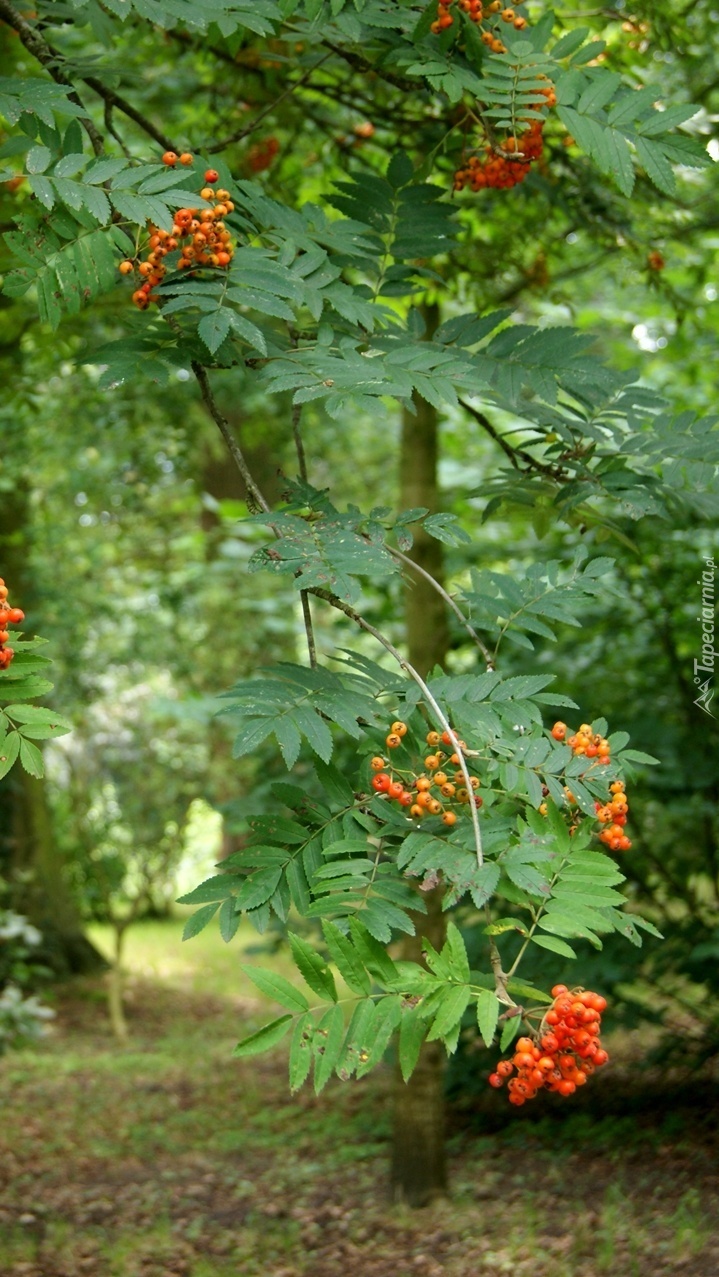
x=419, y=1171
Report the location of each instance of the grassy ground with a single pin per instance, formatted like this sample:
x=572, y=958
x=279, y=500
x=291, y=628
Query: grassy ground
x=166, y=1157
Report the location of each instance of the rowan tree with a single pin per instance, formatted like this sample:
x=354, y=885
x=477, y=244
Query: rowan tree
x=340, y=207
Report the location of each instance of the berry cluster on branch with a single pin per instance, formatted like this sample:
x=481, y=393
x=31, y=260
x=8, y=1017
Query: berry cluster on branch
x=506, y=164
x=200, y=236
x=564, y=1053
x=403, y=785
x=8, y=616
x=501, y=171
x=487, y=16
x=612, y=814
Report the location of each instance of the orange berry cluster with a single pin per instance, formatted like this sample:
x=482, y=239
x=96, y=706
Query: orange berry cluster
x=480, y=13
x=409, y=790
x=588, y=744
x=565, y=1053
x=614, y=815
x=500, y=171
x=200, y=235
x=8, y=616
x=584, y=742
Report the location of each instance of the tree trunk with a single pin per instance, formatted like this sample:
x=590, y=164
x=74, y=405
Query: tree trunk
x=115, y=1004
x=28, y=852
x=419, y=1171
x=34, y=867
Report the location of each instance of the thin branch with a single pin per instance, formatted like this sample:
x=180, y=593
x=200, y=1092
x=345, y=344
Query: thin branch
x=255, y=501
x=302, y=464
x=299, y=445
x=359, y=63
x=113, y=99
x=113, y=131
x=551, y=472
x=49, y=58
x=404, y=664
x=250, y=128
x=309, y=629
x=397, y=554
x=500, y=976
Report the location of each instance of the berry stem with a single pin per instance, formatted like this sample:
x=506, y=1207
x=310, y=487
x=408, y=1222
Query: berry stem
x=404, y=664
x=416, y=567
x=255, y=497
x=500, y=976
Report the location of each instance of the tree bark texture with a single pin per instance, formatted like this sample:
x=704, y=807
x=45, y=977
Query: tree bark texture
x=419, y=1169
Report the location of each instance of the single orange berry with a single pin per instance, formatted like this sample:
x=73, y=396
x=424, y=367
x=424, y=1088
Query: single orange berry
x=211, y=175
x=399, y=728
x=432, y=738
x=431, y=761
x=126, y=268
x=186, y=158
x=449, y=818
x=377, y=764
x=170, y=159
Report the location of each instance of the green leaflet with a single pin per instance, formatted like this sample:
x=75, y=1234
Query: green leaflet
x=412, y=1031
x=373, y=954
x=358, y=1035
x=454, y=1002
x=276, y=987
x=555, y=945
x=488, y=1008
x=327, y=1046
x=9, y=750
x=312, y=969
x=386, y=1019
x=198, y=921
x=346, y=959
x=264, y=1038
x=67, y=276
x=301, y=1051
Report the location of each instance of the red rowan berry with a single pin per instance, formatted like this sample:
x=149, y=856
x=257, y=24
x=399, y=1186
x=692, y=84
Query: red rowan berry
x=211, y=176
x=170, y=159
